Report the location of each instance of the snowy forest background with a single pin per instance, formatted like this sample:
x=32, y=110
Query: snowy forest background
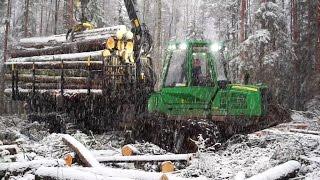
x=275, y=41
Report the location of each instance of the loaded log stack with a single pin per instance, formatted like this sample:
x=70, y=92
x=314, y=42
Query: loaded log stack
x=48, y=63
x=95, y=76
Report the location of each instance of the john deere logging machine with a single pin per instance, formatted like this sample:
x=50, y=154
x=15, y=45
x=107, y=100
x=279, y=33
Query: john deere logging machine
x=103, y=79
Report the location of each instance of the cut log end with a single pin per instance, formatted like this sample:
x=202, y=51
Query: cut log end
x=167, y=167
x=129, y=150
x=84, y=154
x=164, y=177
x=69, y=158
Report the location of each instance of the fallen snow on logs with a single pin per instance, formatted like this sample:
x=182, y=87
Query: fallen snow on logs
x=134, y=174
x=59, y=57
x=146, y=158
x=278, y=172
x=84, y=154
x=70, y=174
x=61, y=38
x=18, y=167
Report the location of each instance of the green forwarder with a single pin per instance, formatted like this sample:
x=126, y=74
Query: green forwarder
x=196, y=98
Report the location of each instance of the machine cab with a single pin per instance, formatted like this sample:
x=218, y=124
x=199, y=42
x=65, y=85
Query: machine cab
x=196, y=63
x=191, y=73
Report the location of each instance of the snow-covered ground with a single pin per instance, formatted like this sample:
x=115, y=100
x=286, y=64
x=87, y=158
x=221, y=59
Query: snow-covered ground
x=243, y=154
x=257, y=152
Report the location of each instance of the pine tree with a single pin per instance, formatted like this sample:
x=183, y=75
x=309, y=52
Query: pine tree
x=4, y=14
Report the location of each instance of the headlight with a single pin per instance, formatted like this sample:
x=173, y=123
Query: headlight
x=183, y=46
x=172, y=47
x=215, y=47
x=111, y=43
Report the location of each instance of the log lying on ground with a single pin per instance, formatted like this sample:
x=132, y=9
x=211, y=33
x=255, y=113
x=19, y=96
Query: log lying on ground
x=282, y=171
x=69, y=174
x=77, y=173
x=129, y=150
x=146, y=158
x=13, y=149
x=167, y=167
x=134, y=174
x=305, y=131
x=84, y=154
x=20, y=167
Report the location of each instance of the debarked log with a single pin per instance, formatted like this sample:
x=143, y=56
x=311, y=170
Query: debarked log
x=103, y=172
x=146, y=158
x=134, y=174
x=20, y=167
x=69, y=174
x=84, y=154
x=282, y=171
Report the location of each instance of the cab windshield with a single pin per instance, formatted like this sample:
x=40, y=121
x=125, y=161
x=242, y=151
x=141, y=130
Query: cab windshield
x=203, y=66
x=176, y=75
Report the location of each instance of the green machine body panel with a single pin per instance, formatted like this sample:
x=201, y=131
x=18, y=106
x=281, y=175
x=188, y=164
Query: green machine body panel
x=184, y=94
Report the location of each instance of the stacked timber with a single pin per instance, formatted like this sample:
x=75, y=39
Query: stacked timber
x=56, y=65
x=86, y=41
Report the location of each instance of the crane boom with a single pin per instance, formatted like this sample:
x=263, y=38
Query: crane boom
x=142, y=34
x=133, y=16
x=143, y=39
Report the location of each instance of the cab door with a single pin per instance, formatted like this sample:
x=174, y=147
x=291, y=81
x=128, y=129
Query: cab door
x=188, y=86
